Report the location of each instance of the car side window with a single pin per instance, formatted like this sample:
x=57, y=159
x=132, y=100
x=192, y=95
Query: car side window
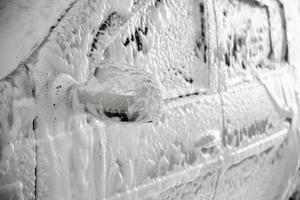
x=252, y=35
x=169, y=40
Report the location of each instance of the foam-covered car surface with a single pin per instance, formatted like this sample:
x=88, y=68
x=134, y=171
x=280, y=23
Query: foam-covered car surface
x=228, y=127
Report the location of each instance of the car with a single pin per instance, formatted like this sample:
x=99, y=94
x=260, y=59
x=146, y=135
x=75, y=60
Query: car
x=163, y=99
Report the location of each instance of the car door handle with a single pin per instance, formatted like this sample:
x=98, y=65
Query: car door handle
x=115, y=92
x=209, y=142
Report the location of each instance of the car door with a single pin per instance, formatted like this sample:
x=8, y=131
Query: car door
x=257, y=94
x=176, y=157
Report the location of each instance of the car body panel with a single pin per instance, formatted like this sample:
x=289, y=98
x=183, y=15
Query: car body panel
x=220, y=138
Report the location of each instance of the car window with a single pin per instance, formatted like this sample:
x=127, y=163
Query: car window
x=168, y=39
x=252, y=35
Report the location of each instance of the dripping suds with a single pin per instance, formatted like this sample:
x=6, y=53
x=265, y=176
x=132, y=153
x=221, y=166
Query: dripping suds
x=34, y=128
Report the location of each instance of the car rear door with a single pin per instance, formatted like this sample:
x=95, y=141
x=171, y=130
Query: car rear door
x=257, y=96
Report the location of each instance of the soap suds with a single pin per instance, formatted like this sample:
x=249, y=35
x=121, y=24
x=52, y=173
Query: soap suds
x=183, y=156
